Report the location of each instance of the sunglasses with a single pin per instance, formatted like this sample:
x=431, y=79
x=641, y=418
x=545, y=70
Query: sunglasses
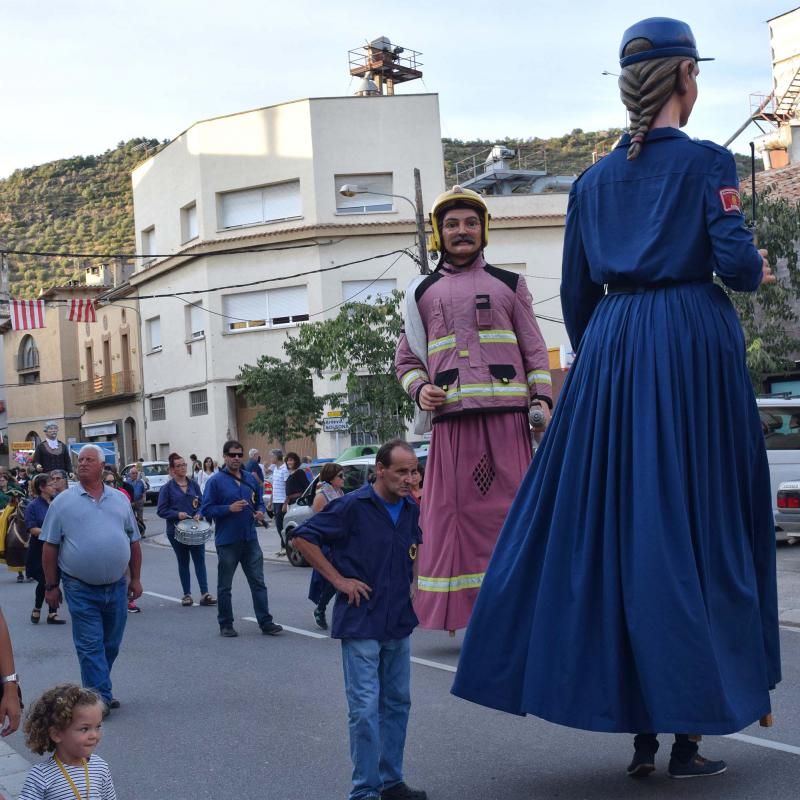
x=235, y=455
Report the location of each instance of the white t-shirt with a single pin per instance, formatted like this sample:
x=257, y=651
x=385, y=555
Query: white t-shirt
x=279, y=476
x=46, y=782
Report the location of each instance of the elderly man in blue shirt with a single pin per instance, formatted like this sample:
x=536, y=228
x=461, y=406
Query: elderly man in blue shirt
x=234, y=499
x=90, y=533
x=373, y=534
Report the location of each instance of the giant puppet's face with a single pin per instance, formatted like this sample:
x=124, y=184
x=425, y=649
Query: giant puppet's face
x=462, y=235
x=51, y=431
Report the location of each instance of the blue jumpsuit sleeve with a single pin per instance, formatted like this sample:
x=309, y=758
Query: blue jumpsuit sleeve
x=579, y=294
x=327, y=526
x=165, y=510
x=736, y=260
x=214, y=505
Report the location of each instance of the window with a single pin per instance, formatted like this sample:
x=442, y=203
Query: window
x=262, y=204
x=781, y=427
x=269, y=309
x=198, y=403
x=189, y=222
x=154, y=334
x=158, y=409
x=148, y=243
x=370, y=292
x=195, y=322
x=366, y=203
x=28, y=357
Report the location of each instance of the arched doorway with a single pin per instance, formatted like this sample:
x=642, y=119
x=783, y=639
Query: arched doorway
x=33, y=437
x=130, y=443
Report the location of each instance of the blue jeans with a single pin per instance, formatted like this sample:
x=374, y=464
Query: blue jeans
x=198, y=556
x=249, y=555
x=99, y=614
x=377, y=683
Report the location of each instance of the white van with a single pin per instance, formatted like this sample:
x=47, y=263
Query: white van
x=780, y=422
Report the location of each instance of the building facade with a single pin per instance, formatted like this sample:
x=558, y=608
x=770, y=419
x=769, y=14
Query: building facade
x=245, y=235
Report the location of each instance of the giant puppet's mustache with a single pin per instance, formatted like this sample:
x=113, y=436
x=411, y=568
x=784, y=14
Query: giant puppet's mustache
x=464, y=240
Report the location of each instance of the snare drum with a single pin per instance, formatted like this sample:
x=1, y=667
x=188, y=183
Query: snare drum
x=193, y=531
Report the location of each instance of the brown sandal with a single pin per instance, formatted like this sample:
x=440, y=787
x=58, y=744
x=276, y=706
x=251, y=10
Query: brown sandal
x=208, y=600
x=36, y=615
x=187, y=600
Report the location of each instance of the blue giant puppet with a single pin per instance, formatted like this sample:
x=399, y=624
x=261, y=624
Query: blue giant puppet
x=632, y=588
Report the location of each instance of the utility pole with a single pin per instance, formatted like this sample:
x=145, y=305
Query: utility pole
x=423, y=250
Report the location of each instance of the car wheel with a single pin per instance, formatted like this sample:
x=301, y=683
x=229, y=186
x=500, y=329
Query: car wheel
x=294, y=556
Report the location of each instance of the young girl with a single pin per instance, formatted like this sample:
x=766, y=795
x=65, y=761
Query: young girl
x=67, y=719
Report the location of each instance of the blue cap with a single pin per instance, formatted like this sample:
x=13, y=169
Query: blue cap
x=669, y=37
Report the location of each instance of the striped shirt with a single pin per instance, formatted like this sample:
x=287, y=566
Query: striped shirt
x=46, y=782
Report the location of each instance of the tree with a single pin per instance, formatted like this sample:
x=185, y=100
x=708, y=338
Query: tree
x=288, y=408
x=769, y=317
x=359, y=344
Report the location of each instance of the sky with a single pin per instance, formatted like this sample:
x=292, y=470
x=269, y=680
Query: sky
x=79, y=76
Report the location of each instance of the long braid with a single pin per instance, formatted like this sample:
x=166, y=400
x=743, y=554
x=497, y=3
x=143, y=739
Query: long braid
x=644, y=88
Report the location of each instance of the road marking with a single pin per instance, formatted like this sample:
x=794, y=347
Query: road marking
x=163, y=596
x=434, y=664
x=785, y=748
x=793, y=628
x=310, y=634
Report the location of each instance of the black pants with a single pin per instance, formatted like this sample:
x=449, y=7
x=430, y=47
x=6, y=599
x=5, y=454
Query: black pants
x=40, y=596
x=682, y=749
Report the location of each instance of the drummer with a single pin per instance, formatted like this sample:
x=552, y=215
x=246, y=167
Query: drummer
x=179, y=499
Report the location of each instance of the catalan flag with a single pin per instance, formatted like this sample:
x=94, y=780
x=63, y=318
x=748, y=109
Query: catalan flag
x=81, y=310
x=27, y=314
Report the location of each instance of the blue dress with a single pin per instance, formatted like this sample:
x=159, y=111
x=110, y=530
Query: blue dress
x=633, y=585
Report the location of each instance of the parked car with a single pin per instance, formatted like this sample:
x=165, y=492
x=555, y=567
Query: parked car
x=787, y=513
x=357, y=472
x=780, y=423
x=157, y=474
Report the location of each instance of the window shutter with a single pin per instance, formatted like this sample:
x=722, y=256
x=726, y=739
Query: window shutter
x=155, y=333
x=282, y=201
x=197, y=321
x=365, y=203
x=241, y=208
x=286, y=305
x=243, y=308
x=367, y=291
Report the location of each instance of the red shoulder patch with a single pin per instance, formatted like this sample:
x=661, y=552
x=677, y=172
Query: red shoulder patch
x=731, y=200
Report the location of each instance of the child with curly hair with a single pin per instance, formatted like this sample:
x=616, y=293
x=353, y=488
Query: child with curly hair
x=67, y=719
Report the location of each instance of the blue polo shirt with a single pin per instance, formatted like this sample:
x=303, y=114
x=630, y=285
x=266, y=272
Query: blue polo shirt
x=171, y=501
x=221, y=490
x=367, y=545
x=93, y=536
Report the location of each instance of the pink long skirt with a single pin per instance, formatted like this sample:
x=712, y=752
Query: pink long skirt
x=475, y=466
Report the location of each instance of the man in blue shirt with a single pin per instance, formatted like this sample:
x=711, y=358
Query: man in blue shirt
x=373, y=534
x=140, y=486
x=234, y=500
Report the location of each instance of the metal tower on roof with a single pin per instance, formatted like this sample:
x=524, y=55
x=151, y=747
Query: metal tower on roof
x=385, y=64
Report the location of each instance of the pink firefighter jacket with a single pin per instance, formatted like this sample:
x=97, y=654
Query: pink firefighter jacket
x=484, y=346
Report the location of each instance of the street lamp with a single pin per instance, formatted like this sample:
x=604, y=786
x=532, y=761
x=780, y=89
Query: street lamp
x=352, y=189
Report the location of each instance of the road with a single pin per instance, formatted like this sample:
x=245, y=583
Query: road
x=207, y=718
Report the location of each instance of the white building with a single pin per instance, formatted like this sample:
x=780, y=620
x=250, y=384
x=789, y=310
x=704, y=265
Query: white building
x=262, y=187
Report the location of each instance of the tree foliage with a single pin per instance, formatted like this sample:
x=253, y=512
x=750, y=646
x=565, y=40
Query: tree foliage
x=78, y=205
x=769, y=317
x=358, y=345
x=288, y=408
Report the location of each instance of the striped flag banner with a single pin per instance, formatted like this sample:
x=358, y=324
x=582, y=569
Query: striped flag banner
x=27, y=314
x=81, y=310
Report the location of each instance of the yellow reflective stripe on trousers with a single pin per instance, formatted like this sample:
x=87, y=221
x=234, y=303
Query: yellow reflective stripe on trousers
x=454, y=584
x=497, y=337
x=443, y=343
x=411, y=376
x=486, y=390
x=540, y=376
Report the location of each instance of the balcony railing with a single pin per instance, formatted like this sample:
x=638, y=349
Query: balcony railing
x=103, y=388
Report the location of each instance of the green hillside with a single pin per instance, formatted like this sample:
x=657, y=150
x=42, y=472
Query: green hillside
x=81, y=204
x=84, y=204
